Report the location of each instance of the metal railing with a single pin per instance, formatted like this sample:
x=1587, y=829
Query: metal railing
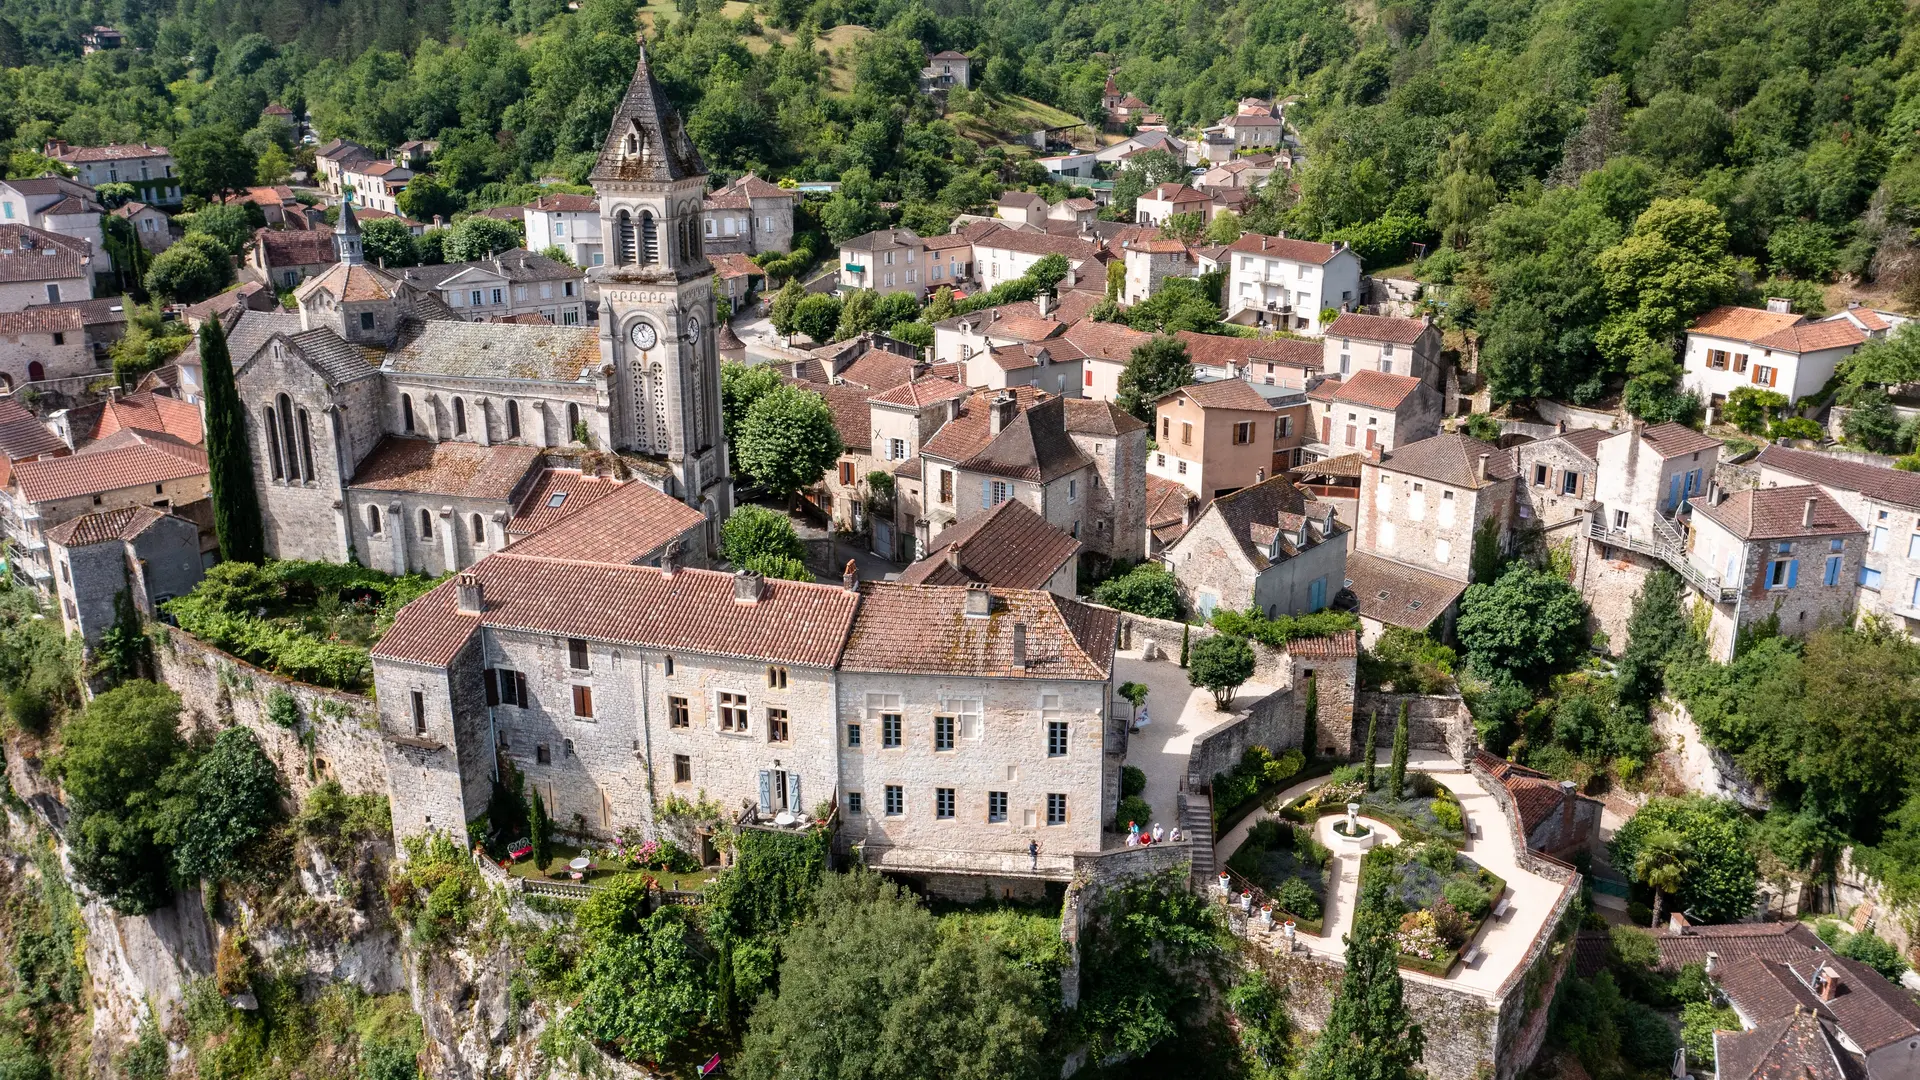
x=1669, y=547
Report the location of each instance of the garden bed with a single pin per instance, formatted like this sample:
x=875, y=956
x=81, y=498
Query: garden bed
x=1447, y=896
x=1413, y=816
x=1277, y=853
x=1265, y=784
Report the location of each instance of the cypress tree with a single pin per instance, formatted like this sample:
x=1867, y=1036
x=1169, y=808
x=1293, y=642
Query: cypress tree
x=1373, y=725
x=1310, y=727
x=1370, y=1034
x=542, y=832
x=1186, y=646
x=1397, y=775
x=236, y=505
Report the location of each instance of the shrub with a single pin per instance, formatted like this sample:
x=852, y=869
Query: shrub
x=1270, y=833
x=1437, y=855
x=1276, y=633
x=1132, y=780
x=1278, y=769
x=1309, y=851
x=1297, y=898
x=1221, y=664
x=1796, y=427
x=1135, y=810
x=1467, y=896
x=283, y=710
x=1422, y=785
x=1645, y=1039
x=1452, y=924
x=1698, y=1021
x=756, y=530
x=1148, y=589
x=1448, y=815
x=1875, y=952
x=1346, y=775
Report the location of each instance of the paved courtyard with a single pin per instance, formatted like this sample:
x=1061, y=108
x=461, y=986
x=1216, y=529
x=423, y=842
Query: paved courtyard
x=1178, y=713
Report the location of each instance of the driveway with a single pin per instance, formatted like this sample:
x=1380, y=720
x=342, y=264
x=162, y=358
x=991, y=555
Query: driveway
x=1178, y=713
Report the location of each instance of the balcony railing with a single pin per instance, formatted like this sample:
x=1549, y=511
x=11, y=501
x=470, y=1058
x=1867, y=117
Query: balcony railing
x=1669, y=547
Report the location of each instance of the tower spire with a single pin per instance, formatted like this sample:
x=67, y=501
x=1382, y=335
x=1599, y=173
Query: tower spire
x=346, y=233
x=647, y=140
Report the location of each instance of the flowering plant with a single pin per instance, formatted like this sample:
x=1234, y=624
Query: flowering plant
x=1419, y=937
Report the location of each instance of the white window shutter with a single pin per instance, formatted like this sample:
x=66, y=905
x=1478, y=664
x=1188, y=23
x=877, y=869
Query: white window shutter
x=986, y=493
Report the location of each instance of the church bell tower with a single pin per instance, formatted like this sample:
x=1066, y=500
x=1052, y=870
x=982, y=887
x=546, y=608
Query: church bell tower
x=656, y=298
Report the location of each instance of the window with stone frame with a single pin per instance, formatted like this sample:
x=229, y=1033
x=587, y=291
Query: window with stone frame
x=777, y=730
x=890, y=730
x=733, y=712
x=944, y=802
x=896, y=804
x=855, y=803
x=996, y=807
x=682, y=769
x=943, y=732
x=542, y=755
x=583, y=702
x=853, y=734
x=679, y=715
x=419, y=702
x=1056, y=725
x=577, y=657
x=776, y=678
x=1056, y=808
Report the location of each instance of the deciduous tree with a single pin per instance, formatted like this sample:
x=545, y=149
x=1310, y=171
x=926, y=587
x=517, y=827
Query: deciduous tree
x=1157, y=368
x=788, y=440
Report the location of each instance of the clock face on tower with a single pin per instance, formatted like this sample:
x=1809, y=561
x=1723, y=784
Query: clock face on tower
x=643, y=335
x=693, y=328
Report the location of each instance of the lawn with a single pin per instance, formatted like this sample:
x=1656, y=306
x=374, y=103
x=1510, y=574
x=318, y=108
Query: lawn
x=1277, y=853
x=606, y=870
x=1009, y=116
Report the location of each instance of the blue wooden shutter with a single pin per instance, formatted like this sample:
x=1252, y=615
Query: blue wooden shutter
x=1318, y=594
x=793, y=792
x=1793, y=573
x=1833, y=569
x=986, y=493
x=766, y=791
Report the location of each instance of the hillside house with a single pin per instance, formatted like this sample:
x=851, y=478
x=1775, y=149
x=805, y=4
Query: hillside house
x=150, y=169
x=1268, y=548
x=1771, y=349
x=1288, y=284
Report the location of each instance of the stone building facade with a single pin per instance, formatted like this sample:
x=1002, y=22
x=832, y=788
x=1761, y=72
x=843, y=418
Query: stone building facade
x=150, y=556
x=1421, y=504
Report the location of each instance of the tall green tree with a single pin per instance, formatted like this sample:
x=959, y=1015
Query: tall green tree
x=1370, y=1032
x=1397, y=772
x=232, y=802
x=1367, y=753
x=236, y=503
x=1221, y=663
x=1156, y=368
x=121, y=767
x=1661, y=865
x=214, y=161
x=788, y=441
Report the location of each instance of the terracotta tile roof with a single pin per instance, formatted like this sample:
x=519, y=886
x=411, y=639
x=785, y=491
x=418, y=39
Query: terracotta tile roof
x=556, y=494
x=1291, y=351
x=921, y=392
x=1025, y=199
x=1035, y=243
x=881, y=239
x=1344, y=465
x=348, y=282
x=1223, y=394
x=369, y=213
x=29, y=254
x=690, y=611
x=924, y=629
x=1279, y=247
x=1274, y=510
x=122, y=524
x=1864, y=317
x=240, y=295
x=970, y=432
x=852, y=416
x=1009, y=546
x=1024, y=327
x=1742, y=323
x=753, y=187
x=1812, y=337
x=1325, y=389
x=1218, y=350
x=1021, y=357
x=878, y=369
x=1398, y=595
x=151, y=412
x=1166, y=501
x=1451, y=459
x=1763, y=989
x=1535, y=795
x=1671, y=440
x=496, y=350
x=1175, y=193
x=625, y=525
x=1376, y=328
x=1344, y=644
x=128, y=459
x=1881, y=484
x=1033, y=446
x=1081, y=204
x=76, y=155
x=444, y=468
x=1788, y=942
x=342, y=150
x=944, y=241
x=1776, y=513
x=1794, y=1047
x=1585, y=441
x=1104, y=340
x=22, y=435
x=1087, y=416
x=41, y=320
x=1872, y=1011
x=295, y=248
x=735, y=265
x=1252, y=120
x=1376, y=390
x=577, y=204
x=1162, y=246
x=105, y=311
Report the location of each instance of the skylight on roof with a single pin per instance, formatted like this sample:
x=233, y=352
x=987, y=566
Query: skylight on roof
x=554, y=500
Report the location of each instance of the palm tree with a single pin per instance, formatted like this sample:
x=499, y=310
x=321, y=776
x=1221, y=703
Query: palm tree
x=1661, y=864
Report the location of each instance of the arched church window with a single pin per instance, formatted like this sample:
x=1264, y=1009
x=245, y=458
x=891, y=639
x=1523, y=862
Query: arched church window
x=479, y=530
x=573, y=422
x=406, y=413
x=289, y=441
x=426, y=524
x=513, y=419
x=306, y=448
x=649, y=238
x=623, y=235
x=273, y=443
x=373, y=521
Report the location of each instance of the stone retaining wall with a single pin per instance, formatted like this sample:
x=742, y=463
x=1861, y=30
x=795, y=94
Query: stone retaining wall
x=338, y=735
x=1277, y=722
x=1462, y=1028
x=1434, y=721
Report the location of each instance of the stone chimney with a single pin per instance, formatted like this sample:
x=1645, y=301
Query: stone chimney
x=1480, y=468
x=470, y=601
x=1826, y=983
x=670, y=558
x=1002, y=413
x=1044, y=301
x=1713, y=962
x=1806, y=517
x=850, y=577
x=1567, y=800
x=748, y=586
x=953, y=555
x=979, y=600
x=1020, y=646
x=1374, y=452
x=1779, y=305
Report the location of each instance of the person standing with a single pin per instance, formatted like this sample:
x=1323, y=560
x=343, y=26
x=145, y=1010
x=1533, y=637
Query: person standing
x=1033, y=852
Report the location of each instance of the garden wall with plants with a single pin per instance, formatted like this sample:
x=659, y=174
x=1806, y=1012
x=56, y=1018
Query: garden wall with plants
x=1462, y=1028
x=1277, y=722
x=310, y=733
x=1434, y=721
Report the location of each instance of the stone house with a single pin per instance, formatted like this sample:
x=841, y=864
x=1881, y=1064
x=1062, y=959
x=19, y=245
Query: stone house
x=1213, y=437
x=845, y=490
x=1156, y=206
x=904, y=419
x=150, y=555
x=1272, y=280
x=1053, y=366
x=885, y=261
x=59, y=205
x=129, y=469
x=1886, y=502
x=148, y=168
x=568, y=222
x=283, y=260
x=1371, y=409
x=1252, y=131
x=516, y=282
x=1558, y=477
x=1422, y=503
x=1771, y=349
x=1386, y=345
x=1791, y=554
x=1022, y=208
x=332, y=159
x=946, y=69
x=376, y=184
x=1279, y=362
x=1009, y=546
x=151, y=224
x=749, y=216
x=949, y=260
x=1152, y=262
x=1105, y=348
x=1384, y=593
x=41, y=267
x=47, y=342
x=1006, y=254
x=1552, y=816
x=1268, y=547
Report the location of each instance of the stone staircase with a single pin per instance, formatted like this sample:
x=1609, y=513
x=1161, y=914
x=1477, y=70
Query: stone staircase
x=1196, y=824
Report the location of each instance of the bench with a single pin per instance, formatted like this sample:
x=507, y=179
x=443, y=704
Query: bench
x=1471, y=956
x=1500, y=909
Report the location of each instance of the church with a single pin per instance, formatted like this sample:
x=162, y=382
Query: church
x=386, y=429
